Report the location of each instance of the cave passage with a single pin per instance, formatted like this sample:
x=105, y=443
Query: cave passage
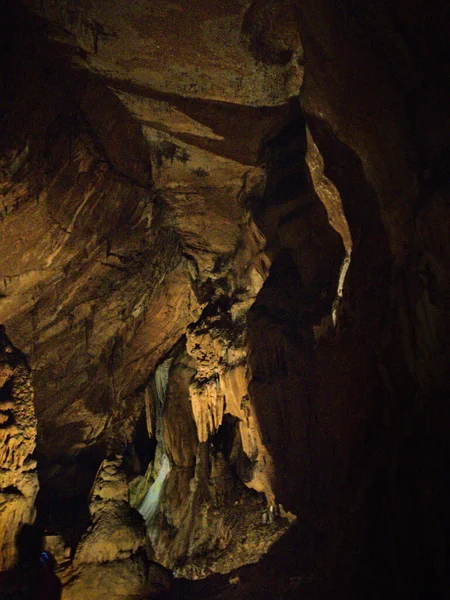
x=224, y=297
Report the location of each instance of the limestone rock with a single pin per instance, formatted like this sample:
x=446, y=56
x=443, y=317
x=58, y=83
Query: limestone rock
x=209, y=530
x=178, y=425
x=117, y=530
x=193, y=509
x=18, y=477
x=119, y=579
x=110, y=558
x=110, y=485
x=327, y=191
x=176, y=217
x=220, y=387
x=129, y=43
x=58, y=549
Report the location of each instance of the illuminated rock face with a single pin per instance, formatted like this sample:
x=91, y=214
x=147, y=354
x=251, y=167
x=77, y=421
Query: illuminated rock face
x=229, y=262
x=200, y=516
x=18, y=477
x=138, y=223
x=110, y=559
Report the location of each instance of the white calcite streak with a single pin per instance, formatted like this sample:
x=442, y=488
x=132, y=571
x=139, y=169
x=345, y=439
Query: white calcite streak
x=149, y=505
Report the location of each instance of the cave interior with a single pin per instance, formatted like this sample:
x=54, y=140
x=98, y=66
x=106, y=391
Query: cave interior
x=225, y=296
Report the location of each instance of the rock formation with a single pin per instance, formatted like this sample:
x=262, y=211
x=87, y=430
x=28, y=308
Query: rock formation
x=224, y=251
x=194, y=508
x=18, y=477
x=110, y=559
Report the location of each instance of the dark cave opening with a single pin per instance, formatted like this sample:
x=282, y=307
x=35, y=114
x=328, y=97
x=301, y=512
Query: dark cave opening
x=62, y=501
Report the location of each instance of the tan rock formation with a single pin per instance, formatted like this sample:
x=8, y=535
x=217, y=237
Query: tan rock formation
x=110, y=558
x=18, y=477
x=176, y=220
x=207, y=55
x=220, y=386
x=327, y=191
x=193, y=508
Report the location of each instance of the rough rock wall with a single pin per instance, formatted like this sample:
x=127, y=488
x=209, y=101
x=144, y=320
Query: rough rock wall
x=136, y=222
x=77, y=253
x=141, y=218
x=346, y=352
x=292, y=314
x=200, y=516
x=201, y=46
x=18, y=477
x=388, y=160
x=375, y=459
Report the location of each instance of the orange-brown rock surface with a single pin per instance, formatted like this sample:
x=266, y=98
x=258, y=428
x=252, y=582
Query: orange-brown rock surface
x=18, y=476
x=224, y=251
x=200, y=516
x=110, y=559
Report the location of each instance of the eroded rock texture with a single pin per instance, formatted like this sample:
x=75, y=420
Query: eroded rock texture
x=18, y=477
x=224, y=249
x=200, y=516
x=139, y=235
x=110, y=559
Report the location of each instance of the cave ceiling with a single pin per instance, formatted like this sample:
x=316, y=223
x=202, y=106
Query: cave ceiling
x=139, y=126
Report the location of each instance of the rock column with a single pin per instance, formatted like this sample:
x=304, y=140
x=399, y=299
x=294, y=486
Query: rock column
x=18, y=476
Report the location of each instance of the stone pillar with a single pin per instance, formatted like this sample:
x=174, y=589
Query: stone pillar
x=18, y=476
x=110, y=560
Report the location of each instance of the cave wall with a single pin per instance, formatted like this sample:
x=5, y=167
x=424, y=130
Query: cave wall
x=287, y=249
x=18, y=477
x=375, y=464
x=138, y=235
x=386, y=155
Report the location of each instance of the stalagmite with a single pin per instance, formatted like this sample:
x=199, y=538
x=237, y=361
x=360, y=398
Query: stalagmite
x=110, y=559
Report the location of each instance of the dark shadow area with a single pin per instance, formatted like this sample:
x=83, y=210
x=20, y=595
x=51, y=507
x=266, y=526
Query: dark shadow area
x=282, y=573
x=141, y=451
x=62, y=501
x=227, y=440
x=32, y=578
x=292, y=307
x=226, y=119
